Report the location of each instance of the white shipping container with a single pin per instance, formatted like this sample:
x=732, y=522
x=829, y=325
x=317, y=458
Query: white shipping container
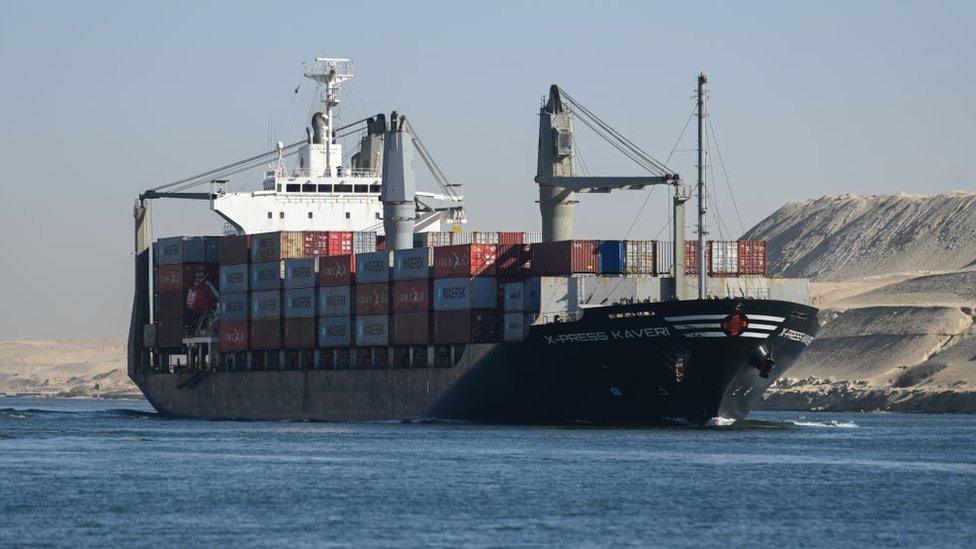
x=639, y=257
x=300, y=303
x=515, y=326
x=724, y=257
x=335, y=301
x=372, y=330
x=335, y=332
x=513, y=297
x=458, y=294
x=234, y=307
x=533, y=238
x=664, y=258
x=300, y=273
x=431, y=239
x=363, y=242
x=553, y=294
x=374, y=266
x=233, y=279
x=266, y=305
x=266, y=275
x=413, y=264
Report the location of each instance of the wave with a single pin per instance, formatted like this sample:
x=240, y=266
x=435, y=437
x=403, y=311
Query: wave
x=829, y=423
x=23, y=413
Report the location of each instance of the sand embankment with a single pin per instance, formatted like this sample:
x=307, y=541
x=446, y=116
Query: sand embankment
x=895, y=281
x=65, y=368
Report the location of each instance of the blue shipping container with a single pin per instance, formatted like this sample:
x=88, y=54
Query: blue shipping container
x=612, y=256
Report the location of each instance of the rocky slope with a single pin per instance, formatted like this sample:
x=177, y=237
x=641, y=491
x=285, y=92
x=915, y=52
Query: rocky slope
x=895, y=281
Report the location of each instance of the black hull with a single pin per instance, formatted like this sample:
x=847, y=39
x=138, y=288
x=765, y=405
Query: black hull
x=624, y=364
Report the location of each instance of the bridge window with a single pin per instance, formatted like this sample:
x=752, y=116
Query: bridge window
x=269, y=215
x=325, y=188
x=308, y=188
x=375, y=188
x=343, y=188
x=293, y=188
x=362, y=188
x=347, y=215
x=310, y=215
x=281, y=215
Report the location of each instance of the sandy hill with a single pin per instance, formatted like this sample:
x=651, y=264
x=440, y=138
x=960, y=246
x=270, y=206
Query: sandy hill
x=837, y=238
x=65, y=367
x=896, y=285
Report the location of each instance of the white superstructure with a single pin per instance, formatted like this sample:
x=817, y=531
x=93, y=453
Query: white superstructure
x=322, y=194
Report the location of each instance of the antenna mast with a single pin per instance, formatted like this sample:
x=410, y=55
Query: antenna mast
x=702, y=208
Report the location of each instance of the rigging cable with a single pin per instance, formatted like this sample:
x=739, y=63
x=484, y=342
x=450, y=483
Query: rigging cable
x=728, y=184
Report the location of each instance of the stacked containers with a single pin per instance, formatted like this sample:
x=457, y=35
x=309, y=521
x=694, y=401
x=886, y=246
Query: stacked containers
x=233, y=332
x=183, y=280
x=752, y=257
x=335, y=279
x=565, y=257
x=465, y=294
x=411, y=296
x=723, y=258
x=372, y=293
x=326, y=243
x=512, y=255
x=277, y=245
x=299, y=298
x=266, y=274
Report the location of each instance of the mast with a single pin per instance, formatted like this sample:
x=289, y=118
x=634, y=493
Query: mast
x=330, y=74
x=702, y=195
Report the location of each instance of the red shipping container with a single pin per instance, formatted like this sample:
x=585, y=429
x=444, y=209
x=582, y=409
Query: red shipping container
x=471, y=326
x=752, y=257
x=326, y=243
x=411, y=296
x=336, y=270
x=464, y=260
x=265, y=334
x=169, y=334
x=372, y=299
x=233, y=336
x=691, y=257
x=511, y=238
x=300, y=333
x=182, y=276
x=234, y=250
x=411, y=328
x=512, y=259
x=565, y=257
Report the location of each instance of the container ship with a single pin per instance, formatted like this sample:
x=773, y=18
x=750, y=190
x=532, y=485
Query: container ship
x=342, y=292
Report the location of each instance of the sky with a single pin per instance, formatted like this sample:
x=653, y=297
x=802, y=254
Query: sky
x=101, y=100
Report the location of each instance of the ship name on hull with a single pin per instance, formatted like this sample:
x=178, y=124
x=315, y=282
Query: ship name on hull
x=612, y=335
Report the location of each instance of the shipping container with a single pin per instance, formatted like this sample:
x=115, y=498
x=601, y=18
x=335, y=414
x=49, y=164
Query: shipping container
x=511, y=238
x=300, y=333
x=413, y=264
x=752, y=257
x=363, y=242
x=299, y=303
x=372, y=299
x=552, y=294
x=533, y=238
x=639, y=257
x=234, y=278
x=277, y=245
x=232, y=336
x=211, y=249
x=300, y=273
x=180, y=277
x=691, y=257
x=372, y=330
x=335, y=301
x=180, y=249
x=326, y=243
x=512, y=259
x=266, y=305
x=234, y=307
x=664, y=258
x=335, y=332
x=455, y=294
x=723, y=258
x=173, y=306
x=515, y=326
x=265, y=335
x=513, y=297
x=266, y=275
x=336, y=270
x=476, y=237
x=565, y=257
x=470, y=326
x=374, y=266
x=234, y=249
x=411, y=328
x=410, y=296
x=431, y=239
x=169, y=333
x=613, y=254
x=464, y=260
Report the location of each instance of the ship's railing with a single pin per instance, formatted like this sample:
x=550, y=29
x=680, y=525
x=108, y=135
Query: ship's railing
x=343, y=172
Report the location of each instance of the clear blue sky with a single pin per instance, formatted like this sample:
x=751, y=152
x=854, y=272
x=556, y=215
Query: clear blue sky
x=102, y=100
